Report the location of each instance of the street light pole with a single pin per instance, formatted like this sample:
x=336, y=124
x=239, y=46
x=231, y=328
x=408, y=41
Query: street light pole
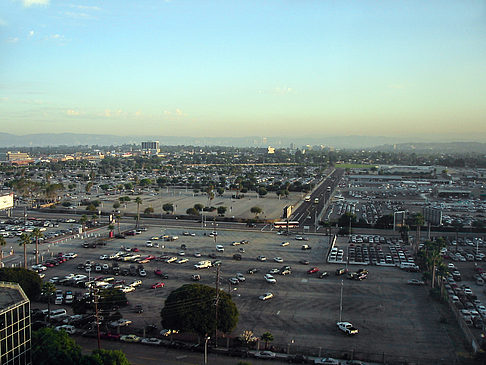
x=206, y=349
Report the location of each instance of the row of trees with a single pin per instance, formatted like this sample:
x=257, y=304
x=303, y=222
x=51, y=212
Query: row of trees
x=24, y=240
x=51, y=347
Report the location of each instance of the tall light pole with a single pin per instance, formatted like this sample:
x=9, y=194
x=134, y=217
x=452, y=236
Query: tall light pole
x=206, y=349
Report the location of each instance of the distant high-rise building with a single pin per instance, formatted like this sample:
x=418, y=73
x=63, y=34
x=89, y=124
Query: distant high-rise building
x=270, y=150
x=15, y=346
x=292, y=146
x=151, y=147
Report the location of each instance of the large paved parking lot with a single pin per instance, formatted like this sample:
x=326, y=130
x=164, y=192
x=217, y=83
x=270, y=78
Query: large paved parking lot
x=392, y=317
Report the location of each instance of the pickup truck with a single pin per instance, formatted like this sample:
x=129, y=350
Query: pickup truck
x=347, y=328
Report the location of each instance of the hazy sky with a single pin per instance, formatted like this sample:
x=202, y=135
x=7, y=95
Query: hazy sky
x=244, y=67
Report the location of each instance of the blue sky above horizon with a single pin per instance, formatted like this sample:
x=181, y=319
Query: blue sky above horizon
x=244, y=67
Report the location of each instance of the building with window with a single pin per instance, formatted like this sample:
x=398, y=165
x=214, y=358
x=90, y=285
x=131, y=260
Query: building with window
x=152, y=147
x=15, y=336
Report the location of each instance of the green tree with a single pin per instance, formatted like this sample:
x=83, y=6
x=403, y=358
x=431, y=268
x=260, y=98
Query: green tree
x=111, y=227
x=222, y=210
x=419, y=222
x=220, y=191
x=190, y=308
x=36, y=235
x=106, y=357
x=110, y=298
x=192, y=211
x=24, y=240
x=199, y=207
x=83, y=220
x=168, y=207
x=148, y=210
x=27, y=279
x=51, y=347
x=116, y=205
x=256, y=211
x=267, y=337
x=48, y=289
x=2, y=244
x=138, y=200
x=262, y=191
x=145, y=182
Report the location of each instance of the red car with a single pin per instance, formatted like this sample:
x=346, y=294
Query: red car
x=313, y=270
x=135, y=249
x=158, y=272
x=109, y=336
x=150, y=257
x=158, y=285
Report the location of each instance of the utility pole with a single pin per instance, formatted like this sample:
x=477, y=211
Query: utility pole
x=97, y=320
x=216, y=304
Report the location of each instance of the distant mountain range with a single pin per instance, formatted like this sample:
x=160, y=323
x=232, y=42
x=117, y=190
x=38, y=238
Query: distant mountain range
x=350, y=142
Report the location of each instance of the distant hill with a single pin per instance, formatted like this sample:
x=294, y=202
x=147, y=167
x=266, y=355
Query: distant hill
x=74, y=139
x=433, y=147
x=349, y=142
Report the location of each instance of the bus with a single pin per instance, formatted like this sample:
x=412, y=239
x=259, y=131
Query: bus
x=284, y=225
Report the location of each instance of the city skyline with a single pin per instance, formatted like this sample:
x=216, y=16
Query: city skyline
x=202, y=69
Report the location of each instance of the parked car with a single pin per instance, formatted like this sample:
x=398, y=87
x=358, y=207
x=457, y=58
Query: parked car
x=130, y=338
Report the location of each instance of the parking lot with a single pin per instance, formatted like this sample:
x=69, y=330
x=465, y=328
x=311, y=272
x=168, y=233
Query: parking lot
x=304, y=309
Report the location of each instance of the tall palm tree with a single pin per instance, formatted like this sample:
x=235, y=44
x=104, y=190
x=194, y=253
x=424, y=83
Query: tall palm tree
x=419, y=221
x=138, y=200
x=24, y=240
x=2, y=243
x=118, y=218
x=48, y=289
x=36, y=234
x=83, y=221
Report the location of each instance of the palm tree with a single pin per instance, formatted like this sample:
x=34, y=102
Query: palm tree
x=83, y=221
x=419, y=221
x=24, y=240
x=267, y=337
x=2, y=243
x=36, y=234
x=118, y=218
x=48, y=289
x=111, y=227
x=138, y=200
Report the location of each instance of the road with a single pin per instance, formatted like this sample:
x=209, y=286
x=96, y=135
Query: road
x=145, y=355
x=308, y=212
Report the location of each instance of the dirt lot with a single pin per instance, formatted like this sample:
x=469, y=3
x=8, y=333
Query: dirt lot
x=182, y=200
x=392, y=317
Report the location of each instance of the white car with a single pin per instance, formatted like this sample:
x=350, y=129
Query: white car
x=347, y=328
x=278, y=259
x=266, y=296
x=265, y=355
x=219, y=248
x=104, y=257
x=270, y=279
x=240, y=276
x=151, y=341
x=197, y=254
x=120, y=323
x=66, y=327
x=182, y=261
x=148, y=244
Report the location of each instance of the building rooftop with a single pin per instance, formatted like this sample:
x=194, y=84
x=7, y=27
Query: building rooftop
x=11, y=294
